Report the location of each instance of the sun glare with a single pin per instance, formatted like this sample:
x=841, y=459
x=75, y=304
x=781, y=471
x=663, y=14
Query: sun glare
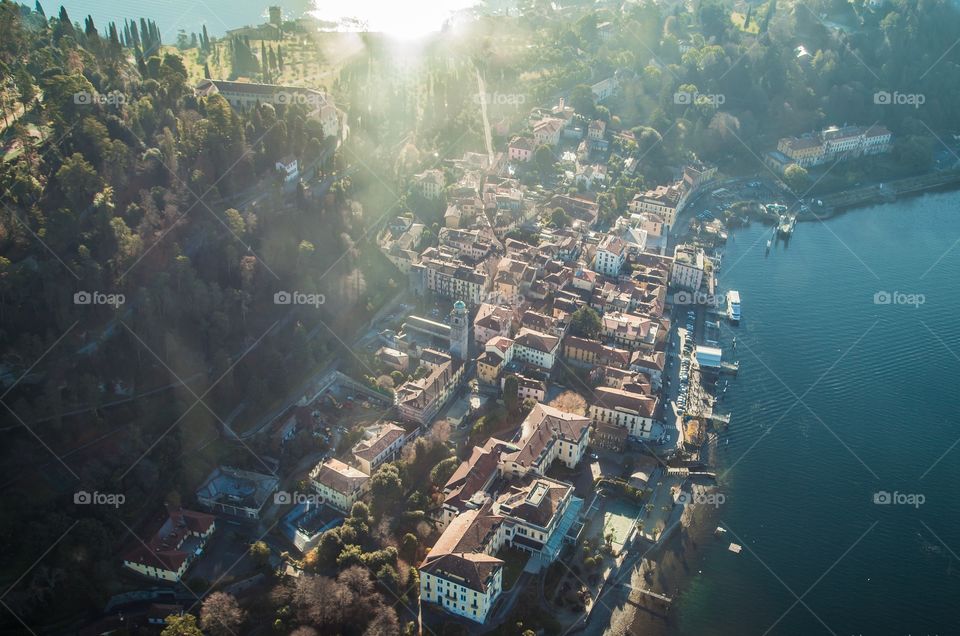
x=401, y=20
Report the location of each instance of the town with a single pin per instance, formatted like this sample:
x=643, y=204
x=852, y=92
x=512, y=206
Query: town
x=564, y=375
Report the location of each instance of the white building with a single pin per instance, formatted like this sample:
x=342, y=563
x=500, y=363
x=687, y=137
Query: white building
x=430, y=183
x=534, y=347
x=168, y=554
x=460, y=574
x=289, y=167
x=610, y=257
x=337, y=484
x=380, y=444
x=635, y=412
x=688, y=267
x=547, y=131
x=547, y=434
x=661, y=201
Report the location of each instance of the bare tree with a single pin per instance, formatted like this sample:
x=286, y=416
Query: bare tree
x=383, y=623
x=571, y=402
x=221, y=615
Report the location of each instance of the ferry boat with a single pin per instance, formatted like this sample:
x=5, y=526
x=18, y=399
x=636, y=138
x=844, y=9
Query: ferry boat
x=733, y=305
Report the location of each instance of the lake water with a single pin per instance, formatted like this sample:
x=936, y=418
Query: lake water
x=839, y=398
x=416, y=16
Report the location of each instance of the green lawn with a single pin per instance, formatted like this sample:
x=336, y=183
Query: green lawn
x=514, y=560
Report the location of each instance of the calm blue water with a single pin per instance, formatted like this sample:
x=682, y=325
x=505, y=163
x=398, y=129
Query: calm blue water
x=878, y=385
x=173, y=15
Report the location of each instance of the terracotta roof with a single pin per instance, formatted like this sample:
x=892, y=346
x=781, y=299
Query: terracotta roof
x=162, y=550
x=540, y=427
x=537, y=340
x=535, y=502
x=472, y=570
x=386, y=435
x=338, y=476
x=618, y=399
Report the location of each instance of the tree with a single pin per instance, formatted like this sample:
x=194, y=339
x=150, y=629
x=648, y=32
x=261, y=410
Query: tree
x=570, y=402
x=260, y=552
x=796, y=177
x=585, y=323
x=383, y=623
x=221, y=615
x=409, y=547
x=78, y=180
x=443, y=471
x=559, y=217
x=543, y=158
x=386, y=489
x=582, y=101
x=511, y=393
x=181, y=625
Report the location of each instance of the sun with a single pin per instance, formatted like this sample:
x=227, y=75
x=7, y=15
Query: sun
x=410, y=20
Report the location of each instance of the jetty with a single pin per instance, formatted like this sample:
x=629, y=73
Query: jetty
x=786, y=226
x=655, y=595
x=881, y=192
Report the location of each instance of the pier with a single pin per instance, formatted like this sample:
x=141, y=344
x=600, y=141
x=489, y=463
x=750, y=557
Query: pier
x=655, y=595
x=730, y=367
x=722, y=419
x=882, y=193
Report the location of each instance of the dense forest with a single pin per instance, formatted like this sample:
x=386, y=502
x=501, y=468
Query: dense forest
x=117, y=182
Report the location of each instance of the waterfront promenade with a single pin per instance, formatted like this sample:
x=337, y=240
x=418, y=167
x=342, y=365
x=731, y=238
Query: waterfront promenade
x=880, y=193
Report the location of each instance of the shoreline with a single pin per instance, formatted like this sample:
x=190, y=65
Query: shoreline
x=672, y=561
x=880, y=194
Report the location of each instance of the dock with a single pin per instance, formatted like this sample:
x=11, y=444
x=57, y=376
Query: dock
x=882, y=193
x=730, y=367
x=718, y=418
x=655, y=595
